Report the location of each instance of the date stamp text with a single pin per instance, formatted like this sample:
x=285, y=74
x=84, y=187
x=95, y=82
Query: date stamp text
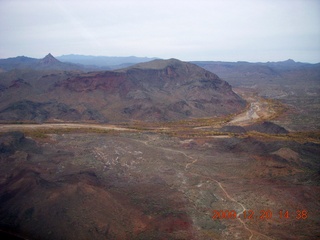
x=262, y=214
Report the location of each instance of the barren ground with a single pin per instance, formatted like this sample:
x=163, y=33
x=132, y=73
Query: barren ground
x=90, y=181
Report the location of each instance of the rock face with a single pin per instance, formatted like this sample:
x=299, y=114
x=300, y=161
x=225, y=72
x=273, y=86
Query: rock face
x=160, y=90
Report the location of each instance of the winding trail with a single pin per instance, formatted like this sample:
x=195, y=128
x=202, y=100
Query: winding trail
x=252, y=232
x=188, y=164
x=238, y=214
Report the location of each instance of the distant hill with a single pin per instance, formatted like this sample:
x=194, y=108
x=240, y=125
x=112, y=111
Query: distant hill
x=253, y=74
x=103, y=61
x=47, y=63
x=70, y=62
x=160, y=90
x=17, y=63
x=296, y=85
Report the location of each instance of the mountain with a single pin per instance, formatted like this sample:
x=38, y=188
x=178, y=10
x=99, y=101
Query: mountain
x=70, y=62
x=49, y=62
x=160, y=90
x=17, y=63
x=294, y=85
x=251, y=74
x=103, y=61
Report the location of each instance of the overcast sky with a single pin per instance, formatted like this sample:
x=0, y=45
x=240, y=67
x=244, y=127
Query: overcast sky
x=226, y=30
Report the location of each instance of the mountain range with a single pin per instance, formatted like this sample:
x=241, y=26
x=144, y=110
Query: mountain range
x=253, y=74
x=47, y=63
x=70, y=62
x=159, y=90
x=103, y=61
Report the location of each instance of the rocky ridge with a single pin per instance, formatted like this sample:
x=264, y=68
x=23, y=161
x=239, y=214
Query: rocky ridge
x=160, y=90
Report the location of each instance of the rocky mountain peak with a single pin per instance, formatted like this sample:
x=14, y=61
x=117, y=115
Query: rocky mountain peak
x=49, y=59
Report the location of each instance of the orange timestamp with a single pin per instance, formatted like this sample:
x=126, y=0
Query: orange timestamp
x=262, y=214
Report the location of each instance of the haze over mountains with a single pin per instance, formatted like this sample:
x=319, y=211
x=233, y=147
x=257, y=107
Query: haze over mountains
x=103, y=61
x=70, y=62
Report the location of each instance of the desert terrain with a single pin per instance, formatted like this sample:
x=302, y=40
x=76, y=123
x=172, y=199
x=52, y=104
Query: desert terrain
x=126, y=183
x=251, y=174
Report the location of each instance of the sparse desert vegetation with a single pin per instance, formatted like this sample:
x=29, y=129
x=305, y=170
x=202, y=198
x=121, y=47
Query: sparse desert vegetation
x=166, y=120
x=162, y=179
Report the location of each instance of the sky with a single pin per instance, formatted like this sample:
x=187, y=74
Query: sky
x=212, y=30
